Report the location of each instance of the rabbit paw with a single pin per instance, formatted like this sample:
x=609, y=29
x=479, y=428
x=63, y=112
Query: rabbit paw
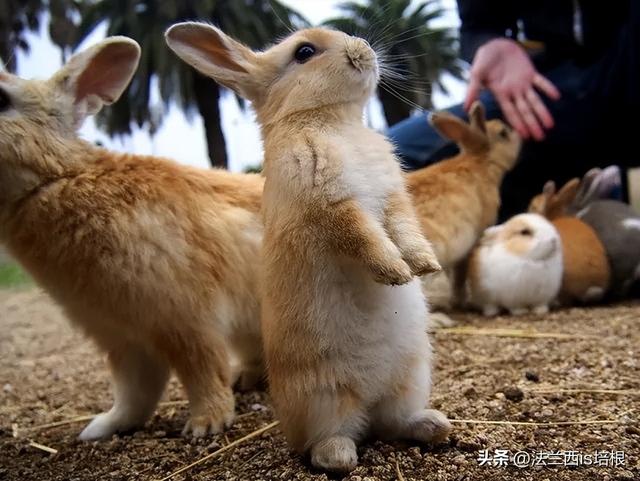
x=103, y=426
x=393, y=273
x=541, y=309
x=430, y=426
x=423, y=262
x=213, y=420
x=200, y=426
x=490, y=310
x=335, y=454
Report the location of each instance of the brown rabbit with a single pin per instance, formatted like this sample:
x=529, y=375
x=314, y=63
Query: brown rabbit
x=155, y=261
x=586, y=271
x=458, y=198
x=347, y=352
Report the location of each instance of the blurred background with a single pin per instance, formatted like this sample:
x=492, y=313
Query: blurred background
x=170, y=110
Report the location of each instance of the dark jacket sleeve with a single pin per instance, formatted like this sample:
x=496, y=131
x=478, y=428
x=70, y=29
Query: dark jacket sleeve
x=617, y=74
x=483, y=20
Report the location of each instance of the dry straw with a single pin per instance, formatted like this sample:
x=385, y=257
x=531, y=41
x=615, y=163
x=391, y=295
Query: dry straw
x=42, y=447
x=64, y=422
x=398, y=472
x=534, y=423
x=503, y=332
x=616, y=392
x=233, y=444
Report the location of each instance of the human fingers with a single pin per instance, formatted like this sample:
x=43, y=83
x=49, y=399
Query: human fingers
x=546, y=86
x=528, y=116
x=540, y=109
x=512, y=115
x=473, y=91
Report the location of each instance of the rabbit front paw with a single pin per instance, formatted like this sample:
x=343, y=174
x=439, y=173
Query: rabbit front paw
x=392, y=273
x=213, y=420
x=423, y=262
x=104, y=425
x=200, y=426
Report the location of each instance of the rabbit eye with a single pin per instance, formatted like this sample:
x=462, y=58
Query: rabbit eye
x=526, y=232
x=4, y=101
x=504, y=133
x=304, y=52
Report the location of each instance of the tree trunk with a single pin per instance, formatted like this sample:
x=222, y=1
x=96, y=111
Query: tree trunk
x=7, y=48
x=395, y=110
x=207, y=94
x=7, y=55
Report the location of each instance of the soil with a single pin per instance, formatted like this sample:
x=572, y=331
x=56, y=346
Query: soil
x=50, y=373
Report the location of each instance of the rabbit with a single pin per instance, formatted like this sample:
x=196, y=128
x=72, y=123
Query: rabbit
x=596, y=184
x=344, y=320
x=516, y=266
x=457, y=198
x=618, y=226
x=616, y=223
x=154, y=261
x=586, y=270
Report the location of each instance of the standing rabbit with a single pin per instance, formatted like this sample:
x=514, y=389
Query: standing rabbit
x=587, y=273
x=155, y=261
x=516, y=266
x=457, y=198
x=344, y=322
x=617, y=225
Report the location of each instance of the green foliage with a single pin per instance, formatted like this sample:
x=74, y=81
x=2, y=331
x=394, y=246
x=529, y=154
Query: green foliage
x=12, y=275
x=17, y=17
x=413, y=54
x=254, y=22
x=254, y=169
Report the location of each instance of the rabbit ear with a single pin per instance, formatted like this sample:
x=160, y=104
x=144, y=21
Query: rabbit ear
x=460, y=132
x=540, y=203
x=567, y=193
x=98, y=75
x=588, y=188
x=215, y=54
x=477, y=116
x=549, y=188
x=609, y=179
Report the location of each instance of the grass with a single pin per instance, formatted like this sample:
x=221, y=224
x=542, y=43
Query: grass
x=12, y=275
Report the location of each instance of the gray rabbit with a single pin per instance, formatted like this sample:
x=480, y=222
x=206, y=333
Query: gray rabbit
x=616, y=223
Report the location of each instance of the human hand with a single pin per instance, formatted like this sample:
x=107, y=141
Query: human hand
x=504, y=68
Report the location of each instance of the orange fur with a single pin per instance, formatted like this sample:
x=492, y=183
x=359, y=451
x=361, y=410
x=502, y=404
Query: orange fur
x=585, y=262
x=457, y=198
x=339, y=231
x=587, y=273
x=155, y=261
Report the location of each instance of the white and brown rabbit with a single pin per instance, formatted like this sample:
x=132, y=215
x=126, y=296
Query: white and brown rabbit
x=586, y=270
x=344, y=321
x=516, y=266
x=155, y=261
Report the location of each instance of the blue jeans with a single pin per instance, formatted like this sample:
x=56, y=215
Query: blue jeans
x=584, y=136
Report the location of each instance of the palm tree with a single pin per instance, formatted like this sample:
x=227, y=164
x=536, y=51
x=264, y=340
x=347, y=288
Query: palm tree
x=18, y=17
x=413, y=55
x=254, y=22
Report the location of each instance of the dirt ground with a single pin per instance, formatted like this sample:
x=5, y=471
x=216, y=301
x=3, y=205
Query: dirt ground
x=50, y=373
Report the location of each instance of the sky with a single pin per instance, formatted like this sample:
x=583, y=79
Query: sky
x=183, y=140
